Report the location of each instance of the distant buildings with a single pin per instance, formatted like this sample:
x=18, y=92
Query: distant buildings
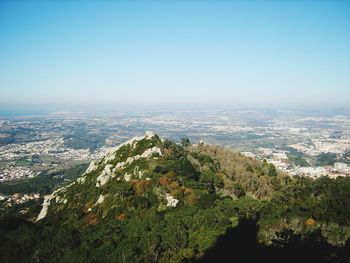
x=18, y=198
x=60, y=140
x=341, y=167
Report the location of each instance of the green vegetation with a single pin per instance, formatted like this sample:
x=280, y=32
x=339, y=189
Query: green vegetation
x=81, y=138
x=257, y=179
x=174, y=207
x=322, y=199
x=43, y=183
x=185, y=142
x=307, y=204
x=296, y=157
x=325, y=159
x=272, y=170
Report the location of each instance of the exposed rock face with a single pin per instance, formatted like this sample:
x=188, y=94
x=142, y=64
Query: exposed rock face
x=133, y=141
x=45, y=208
x=107, y=173
x=93, y=166
x=172, y=202
x=54, y=195
x=108, y=170
x=127, y=177
x=100, y=200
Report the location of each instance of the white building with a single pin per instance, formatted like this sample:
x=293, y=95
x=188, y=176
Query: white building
x=341, y=167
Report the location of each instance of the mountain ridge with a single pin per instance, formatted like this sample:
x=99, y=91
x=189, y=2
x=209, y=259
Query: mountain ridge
x=152, y=200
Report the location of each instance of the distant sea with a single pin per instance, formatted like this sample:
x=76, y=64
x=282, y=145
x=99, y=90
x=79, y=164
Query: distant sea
x=16, y=113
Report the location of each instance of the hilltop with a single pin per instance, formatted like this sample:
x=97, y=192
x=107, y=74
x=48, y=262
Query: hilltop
x=152, y=200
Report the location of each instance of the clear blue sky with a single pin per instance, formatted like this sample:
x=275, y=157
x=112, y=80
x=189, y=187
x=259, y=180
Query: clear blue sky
x=236, y=53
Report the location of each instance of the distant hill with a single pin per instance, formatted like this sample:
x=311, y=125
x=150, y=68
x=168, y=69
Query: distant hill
x=151, y=200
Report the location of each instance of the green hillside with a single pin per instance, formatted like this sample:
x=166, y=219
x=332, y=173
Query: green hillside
x=151, y=200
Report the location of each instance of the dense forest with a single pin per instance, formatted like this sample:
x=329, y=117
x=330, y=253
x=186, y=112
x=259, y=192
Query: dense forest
x=152, y=200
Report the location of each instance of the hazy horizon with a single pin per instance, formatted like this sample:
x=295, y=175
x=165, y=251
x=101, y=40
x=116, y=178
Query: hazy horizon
x=20, y=110
x=181, y=54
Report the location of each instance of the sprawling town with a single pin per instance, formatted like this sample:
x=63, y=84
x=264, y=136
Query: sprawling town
x=309, y=144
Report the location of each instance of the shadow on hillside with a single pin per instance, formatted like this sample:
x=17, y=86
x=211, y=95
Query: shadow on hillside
x=240, y=245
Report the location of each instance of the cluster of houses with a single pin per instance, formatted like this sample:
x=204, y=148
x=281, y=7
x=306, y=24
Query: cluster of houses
x=18, y=198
